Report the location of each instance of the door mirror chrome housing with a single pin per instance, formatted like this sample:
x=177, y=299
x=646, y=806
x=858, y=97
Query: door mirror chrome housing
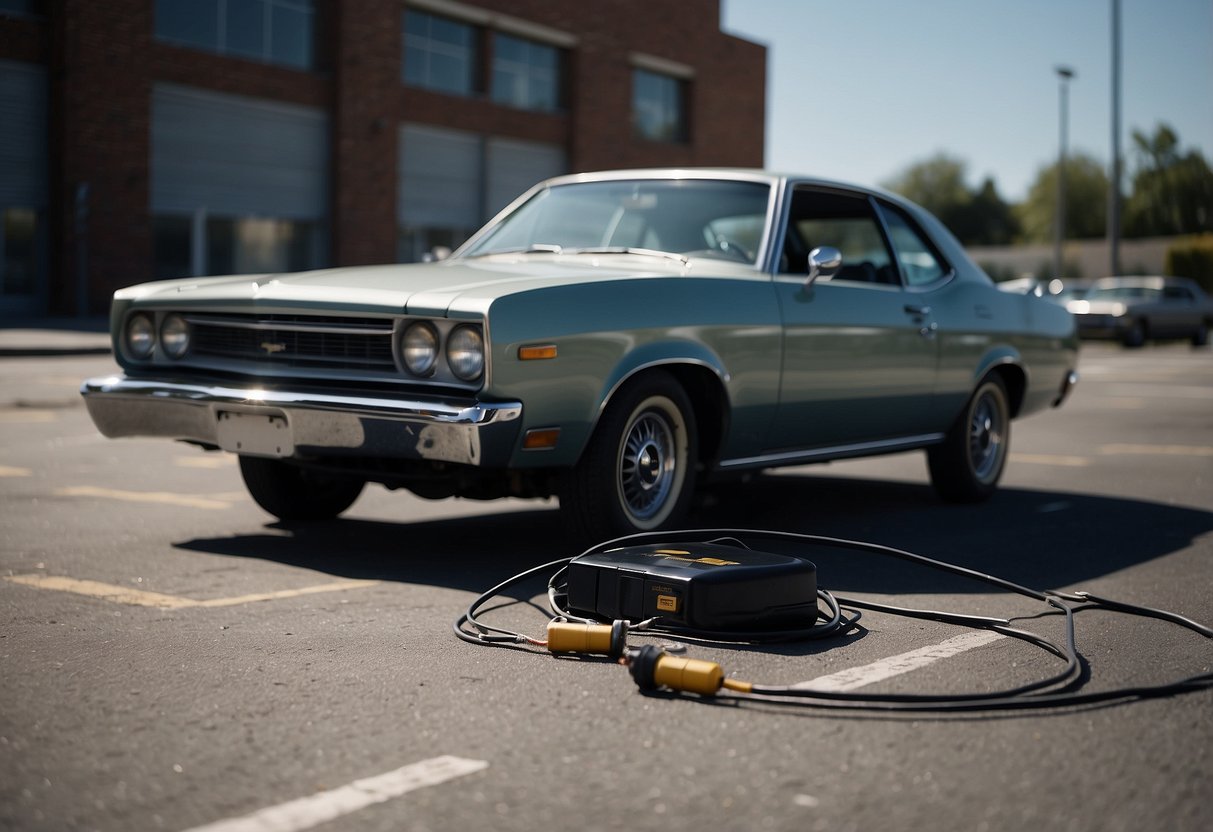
x=824, y=263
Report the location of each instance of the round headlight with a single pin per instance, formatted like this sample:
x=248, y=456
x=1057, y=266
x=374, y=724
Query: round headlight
x=465, y=352
x=175, y=336
x=140, y=336
x=419, y=349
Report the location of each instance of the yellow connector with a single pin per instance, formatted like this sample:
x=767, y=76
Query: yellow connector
x=604, y=639
x=652, y=668
x=694, y=675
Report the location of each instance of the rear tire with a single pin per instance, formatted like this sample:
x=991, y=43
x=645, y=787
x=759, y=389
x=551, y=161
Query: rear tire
x=1200, y=337
x=294, y=494
x=637, y=473
x=966, y=467
x=1136, y=336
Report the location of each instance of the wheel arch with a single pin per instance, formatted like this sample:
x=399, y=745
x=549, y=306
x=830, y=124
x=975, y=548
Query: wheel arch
x=701, y=375
x=1008, y=365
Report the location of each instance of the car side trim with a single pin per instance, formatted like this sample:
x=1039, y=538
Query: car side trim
x=883, y=446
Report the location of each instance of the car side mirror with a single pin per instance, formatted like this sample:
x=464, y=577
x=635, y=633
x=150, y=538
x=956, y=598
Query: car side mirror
x=824, y=263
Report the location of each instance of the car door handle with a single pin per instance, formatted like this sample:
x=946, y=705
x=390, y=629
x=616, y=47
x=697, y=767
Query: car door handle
x=915, y=309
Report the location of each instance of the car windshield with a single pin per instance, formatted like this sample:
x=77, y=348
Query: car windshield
x=1123, y=293
x=691, y=217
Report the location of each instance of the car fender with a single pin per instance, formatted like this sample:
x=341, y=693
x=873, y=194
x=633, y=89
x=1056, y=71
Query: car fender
x=1006, y=360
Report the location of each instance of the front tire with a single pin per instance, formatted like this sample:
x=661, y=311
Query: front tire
x=294, y=494
x=967, y=466
x=637, y=473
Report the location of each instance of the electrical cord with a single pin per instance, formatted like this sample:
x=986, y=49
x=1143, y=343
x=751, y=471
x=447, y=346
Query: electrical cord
x=653, y=667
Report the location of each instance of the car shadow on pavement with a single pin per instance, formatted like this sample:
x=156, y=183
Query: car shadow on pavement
x=1041, y=539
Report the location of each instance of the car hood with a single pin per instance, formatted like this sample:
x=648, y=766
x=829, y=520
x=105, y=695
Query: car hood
x=454, y=287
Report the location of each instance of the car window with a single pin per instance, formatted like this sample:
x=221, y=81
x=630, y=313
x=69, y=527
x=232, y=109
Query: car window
x=843, y=221
x=712, y=218
x=1117, y=292
x=1178, y=294
x=920, y=264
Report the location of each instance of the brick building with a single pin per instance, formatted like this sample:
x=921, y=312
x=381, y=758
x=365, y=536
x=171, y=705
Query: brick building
x=142, y=139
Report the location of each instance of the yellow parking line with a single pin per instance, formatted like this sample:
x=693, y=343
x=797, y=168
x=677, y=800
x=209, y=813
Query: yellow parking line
x=165, y=498
x=21, y=416
x=12, y=471
x=336, y=586
x=143, y=598
x=108, y=592
x=1052, y=459
x=1157, y=450
x=207, y=461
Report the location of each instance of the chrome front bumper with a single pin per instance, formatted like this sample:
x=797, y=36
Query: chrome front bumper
x=285, y=423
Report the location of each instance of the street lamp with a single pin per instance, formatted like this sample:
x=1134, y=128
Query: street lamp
x=1064, y=73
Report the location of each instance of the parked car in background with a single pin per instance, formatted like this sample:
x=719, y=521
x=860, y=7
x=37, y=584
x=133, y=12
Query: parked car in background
x=1133, y=310
x=612, y=339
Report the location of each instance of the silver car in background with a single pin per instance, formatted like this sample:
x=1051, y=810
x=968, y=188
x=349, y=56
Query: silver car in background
x=1133, y=310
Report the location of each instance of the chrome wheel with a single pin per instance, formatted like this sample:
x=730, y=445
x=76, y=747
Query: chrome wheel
x=966, y=466
x=987, y=436
x=648, y=465
x=637, y=473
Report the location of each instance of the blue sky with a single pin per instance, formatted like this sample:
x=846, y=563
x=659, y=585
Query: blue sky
x=859, y=89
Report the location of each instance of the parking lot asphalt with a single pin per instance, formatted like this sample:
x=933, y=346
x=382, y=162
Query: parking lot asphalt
x=171, y=659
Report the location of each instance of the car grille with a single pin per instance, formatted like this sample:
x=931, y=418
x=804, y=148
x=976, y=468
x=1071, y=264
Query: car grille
x=298, y=341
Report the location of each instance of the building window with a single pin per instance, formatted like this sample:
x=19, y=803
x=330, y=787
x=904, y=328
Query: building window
x=659, y=106
x=440, y=54
x=526, y=74
x=269, y=31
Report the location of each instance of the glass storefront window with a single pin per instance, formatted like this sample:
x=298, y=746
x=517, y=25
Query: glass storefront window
x=245, y=245
x=415, y=244
x=19, y=245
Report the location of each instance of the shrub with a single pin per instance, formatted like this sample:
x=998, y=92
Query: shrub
x=1192, y=257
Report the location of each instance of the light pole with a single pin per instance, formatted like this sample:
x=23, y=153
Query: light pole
x=1114, y=179
x=1064, y=73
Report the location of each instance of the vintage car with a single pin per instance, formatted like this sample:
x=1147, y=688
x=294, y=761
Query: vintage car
x=613, y=339
x=1134, y=309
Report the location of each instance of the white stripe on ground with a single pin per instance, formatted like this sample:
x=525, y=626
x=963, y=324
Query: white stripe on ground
x=323, y=807
x=858, y=677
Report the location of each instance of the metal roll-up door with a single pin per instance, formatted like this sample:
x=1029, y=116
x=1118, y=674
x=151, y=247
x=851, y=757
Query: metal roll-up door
x=237, y=156
x=514, y=166
x=23, y=188
x=440, y=178
x=22, y=135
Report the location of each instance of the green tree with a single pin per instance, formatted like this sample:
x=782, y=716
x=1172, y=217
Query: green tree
x=1172, y=191
x=1086, y=201
x=939, y=184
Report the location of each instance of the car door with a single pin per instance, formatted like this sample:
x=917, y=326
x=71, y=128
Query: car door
x=1177, y=314
x=860, y=354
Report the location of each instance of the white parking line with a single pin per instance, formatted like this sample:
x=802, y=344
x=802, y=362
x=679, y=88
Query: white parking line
x=307, y=812
x=858, y=677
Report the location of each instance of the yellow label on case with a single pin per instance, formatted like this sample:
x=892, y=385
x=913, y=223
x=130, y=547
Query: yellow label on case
x=667, y=603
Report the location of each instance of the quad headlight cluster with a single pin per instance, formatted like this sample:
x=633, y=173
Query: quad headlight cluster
x=141, y=338
x=421, y=346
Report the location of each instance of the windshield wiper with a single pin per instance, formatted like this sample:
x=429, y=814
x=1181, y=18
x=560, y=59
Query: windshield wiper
x=650, y=252
x=533, y=248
